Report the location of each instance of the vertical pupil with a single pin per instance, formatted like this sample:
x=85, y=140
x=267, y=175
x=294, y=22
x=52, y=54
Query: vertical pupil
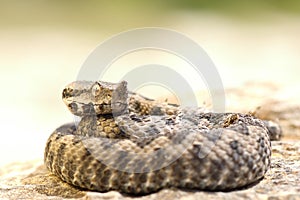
x=96, y=90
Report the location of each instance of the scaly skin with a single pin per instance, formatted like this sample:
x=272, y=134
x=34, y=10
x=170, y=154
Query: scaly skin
x=138, y=146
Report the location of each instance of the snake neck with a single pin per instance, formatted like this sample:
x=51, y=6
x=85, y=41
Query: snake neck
x=142, y=105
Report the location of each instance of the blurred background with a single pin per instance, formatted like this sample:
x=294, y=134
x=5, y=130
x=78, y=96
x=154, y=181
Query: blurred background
x=44, y=43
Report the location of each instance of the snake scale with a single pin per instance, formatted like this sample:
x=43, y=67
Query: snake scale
x=132, y=144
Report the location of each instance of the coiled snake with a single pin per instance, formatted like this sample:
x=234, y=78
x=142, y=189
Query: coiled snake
x=129, y=143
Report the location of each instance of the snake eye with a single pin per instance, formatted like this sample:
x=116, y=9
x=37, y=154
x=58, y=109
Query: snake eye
x=96, y=89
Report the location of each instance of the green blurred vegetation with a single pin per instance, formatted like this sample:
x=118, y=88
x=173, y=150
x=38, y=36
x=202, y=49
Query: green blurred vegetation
x=97, y=14
x=238, y=6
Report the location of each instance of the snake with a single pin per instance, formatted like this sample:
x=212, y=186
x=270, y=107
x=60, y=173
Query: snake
x=123, y=141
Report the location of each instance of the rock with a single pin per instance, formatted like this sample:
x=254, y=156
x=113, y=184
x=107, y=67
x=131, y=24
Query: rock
x=31, y=180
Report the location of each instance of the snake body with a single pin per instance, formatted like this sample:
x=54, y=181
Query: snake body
x=129, y=143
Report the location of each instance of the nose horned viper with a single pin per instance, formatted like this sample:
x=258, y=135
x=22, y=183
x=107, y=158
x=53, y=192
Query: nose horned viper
x=132, y=144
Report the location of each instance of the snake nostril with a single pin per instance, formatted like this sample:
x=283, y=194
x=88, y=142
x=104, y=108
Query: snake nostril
x=64, y=93
x=67, y=92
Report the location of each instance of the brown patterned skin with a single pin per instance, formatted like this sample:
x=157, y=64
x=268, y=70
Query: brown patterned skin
x=144, y=146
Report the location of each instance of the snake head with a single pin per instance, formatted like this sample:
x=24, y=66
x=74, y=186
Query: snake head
x=94, y=98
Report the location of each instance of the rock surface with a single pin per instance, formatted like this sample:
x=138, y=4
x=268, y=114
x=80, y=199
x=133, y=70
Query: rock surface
x=31, y=180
